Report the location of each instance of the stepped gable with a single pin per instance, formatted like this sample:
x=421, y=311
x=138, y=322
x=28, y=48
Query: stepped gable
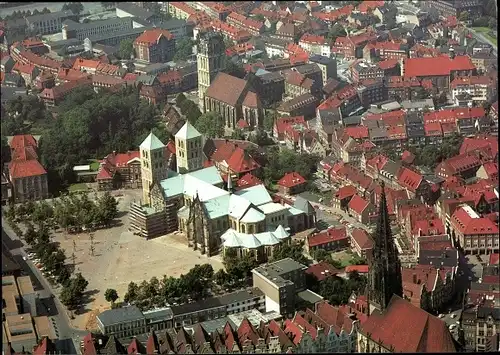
x=152, y=345
x=229, y=338
x=200, y=338
x=247, y=333
x=182, y=341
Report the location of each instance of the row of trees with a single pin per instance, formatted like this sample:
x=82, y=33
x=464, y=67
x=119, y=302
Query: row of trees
x=188, y=108
x=192, y=286
x=75, y=211
x=22, y=14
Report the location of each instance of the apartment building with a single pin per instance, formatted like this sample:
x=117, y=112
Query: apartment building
x=80, y=31
x=327, y=65
x=473, y=89
x=280, y=281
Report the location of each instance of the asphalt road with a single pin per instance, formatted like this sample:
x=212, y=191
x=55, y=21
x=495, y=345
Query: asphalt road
x=49, y=305
x=480, y=37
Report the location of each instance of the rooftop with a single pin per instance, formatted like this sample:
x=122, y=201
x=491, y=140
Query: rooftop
x=120, y=315
x=276, y=270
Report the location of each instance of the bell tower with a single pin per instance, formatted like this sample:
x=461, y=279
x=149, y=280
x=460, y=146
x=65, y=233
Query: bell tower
x=154, y=166
x=211, y=60
x=189, y=149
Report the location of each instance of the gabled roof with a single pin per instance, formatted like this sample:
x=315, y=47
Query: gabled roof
x=291, y=179
x=25, y=168
x=227, y=88
x=409, y=179
x=327, y=236
x=151, y=37
x=303, y=205
x=407, y=328
x=358, y=204
x=187, y=132
x=152, y=142
x=362, y=238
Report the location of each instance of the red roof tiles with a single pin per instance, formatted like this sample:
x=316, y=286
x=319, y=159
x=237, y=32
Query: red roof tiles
x=322, y=270
x=362, y=269
x=409, y=179
x=291, y=179
x=21, y=169
x=358, y=204
x=407, y=328
x=345, y=192
x=248, y=180
x=152, y=37
x=436, y=66
x=327, y=236
x=362, y=238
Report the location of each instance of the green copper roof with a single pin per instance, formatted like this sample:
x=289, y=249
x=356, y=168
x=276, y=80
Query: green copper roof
x=152, y=143
x=188, y=132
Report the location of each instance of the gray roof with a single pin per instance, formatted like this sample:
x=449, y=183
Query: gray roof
x=437, y=258
x=120, y=315
x=134, y=10
x=320, y=59
x=309, y=296
x=146, y=79
x=9, y=265
x=279, y=268
x=392, y=167
x=378, y=132
x=49, y=16
x=9, y=93
x=351, y=120
x=303, y=205
x=72, y=25
x=217, y=302
x=12, y=77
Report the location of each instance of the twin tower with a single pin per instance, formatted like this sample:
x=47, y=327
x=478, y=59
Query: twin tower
x=155, y=157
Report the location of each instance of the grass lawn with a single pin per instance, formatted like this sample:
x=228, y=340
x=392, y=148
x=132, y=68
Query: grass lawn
x=94, y=165
x=485, y=31
x=78, y=187
x=343, y=256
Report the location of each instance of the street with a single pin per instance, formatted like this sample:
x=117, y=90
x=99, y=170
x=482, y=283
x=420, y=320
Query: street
x=49, y=305
x=480, y=37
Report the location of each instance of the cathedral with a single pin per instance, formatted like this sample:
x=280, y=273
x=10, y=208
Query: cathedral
x=214, y=217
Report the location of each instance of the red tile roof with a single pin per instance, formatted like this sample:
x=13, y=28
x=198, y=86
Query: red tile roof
x=335, y=317
x=427, y=227
x=435, y=242
x=388, y=64
x=407, y=328
x=226, y=88
x=88, y=345
x=358, y=132
x=480, y=142
x=358, y=204
x=327, y=236
x=409, y=179
x=362, y=269
x=21, y=169
x=433, y=129
x=23, y=141
x=322, y=270
x=283, y=123
x=152, y=37
x=407, y=157
x=291, y=179
x=27, y=153
x=468, y=224
x=436, y=66
x=248, y=180
x=362, y=238
x=365, y=6
x=345, y=191
x=240, y=162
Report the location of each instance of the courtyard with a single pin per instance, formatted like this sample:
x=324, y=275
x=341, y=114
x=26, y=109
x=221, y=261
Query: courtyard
x=120, y=257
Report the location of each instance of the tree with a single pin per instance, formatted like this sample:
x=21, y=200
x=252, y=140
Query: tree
x=221, y=277
x=294, y=250
x=30, y=235
x=75, y=7
x=5, y=149
x=235, y=69
x=238, y=134
x=336, y=31
x=107, y=207
x=492, y=23
x=269, y=119
x=261, y=138
x=464, y=16
x=179, y=99
x=132, y=293
x=79, y=283
x=111, y=295
x=183, y=49
x=210, y=124
x=259, y=17
x=126, y=49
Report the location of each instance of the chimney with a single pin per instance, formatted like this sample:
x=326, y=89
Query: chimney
x=227, y=140
x=414, y=278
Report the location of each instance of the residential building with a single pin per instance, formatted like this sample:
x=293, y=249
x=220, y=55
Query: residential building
x=233, y=99
x=303, y=105
x=122, y=322
x=362, y=70
x=270, y=87
x=280, y=281
x=53, y=96
x=360, y=209
x=316, y=45
x=155, y=46
x=327, y=65
x=332, y=239
x=361, y=242
x=292, y=184
x=27, y=72
x=210, y=57
x=474, y=233
x=440, y=70
x=476, y=89
x=351, y=47
x=251, y=25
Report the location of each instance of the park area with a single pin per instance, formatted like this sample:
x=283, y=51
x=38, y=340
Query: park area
x=488, y=33
x=120, y=257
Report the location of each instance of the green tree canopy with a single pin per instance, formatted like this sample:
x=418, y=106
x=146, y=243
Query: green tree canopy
x=210, y=124
x=294, y=250
x=126, y=49
x=183, y=49
x=111, y=295
x=280, y=162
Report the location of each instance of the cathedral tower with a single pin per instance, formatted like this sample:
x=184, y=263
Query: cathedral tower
x=188, y=149
x=154, y=166
x=211, y=60
x=384, y=276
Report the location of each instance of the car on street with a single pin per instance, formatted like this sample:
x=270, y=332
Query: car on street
x=441, y=316
x=453, y=315
x=453, y=326
x=24, y=258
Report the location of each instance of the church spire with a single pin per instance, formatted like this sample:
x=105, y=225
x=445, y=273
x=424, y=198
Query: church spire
x=384, y=278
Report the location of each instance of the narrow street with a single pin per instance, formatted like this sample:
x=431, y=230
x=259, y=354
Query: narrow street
x=49, y=304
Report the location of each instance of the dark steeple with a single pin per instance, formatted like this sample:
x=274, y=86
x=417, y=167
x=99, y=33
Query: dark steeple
x=384, y=278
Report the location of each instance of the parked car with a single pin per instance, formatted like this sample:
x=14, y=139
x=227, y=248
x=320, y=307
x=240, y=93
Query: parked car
x=453, y=315
x=441, y=316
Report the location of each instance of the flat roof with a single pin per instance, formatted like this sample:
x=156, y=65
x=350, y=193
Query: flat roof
x=44, y=328
x=25, y=285
x=120, y=315
x=309, y=296
x=274, y=272
x=19, y=327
